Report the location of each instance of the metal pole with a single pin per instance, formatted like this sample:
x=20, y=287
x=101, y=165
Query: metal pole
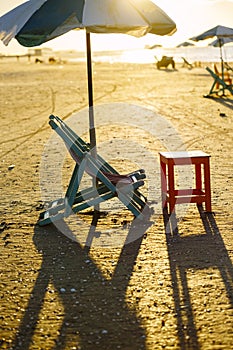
x=222, y=63
x=90, y=97
x=91, y=114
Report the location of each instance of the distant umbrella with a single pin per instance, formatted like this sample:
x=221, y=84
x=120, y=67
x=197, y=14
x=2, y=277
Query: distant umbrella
x=218, y=31
x=221, y=41
x=155, y=46
x=185, y=43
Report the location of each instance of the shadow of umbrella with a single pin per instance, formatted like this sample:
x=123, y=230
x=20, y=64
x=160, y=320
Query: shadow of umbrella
x=96, y=315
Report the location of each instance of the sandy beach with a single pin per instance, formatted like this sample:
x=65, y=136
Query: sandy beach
x=155, y=291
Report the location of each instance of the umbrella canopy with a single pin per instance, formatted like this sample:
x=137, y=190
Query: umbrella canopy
x=185, y=43
x=151, y=47
x=218, y=31
x=38, y=21
x=221, y=41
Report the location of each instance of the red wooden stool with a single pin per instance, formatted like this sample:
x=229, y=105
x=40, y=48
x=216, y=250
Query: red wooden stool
x=201, y=193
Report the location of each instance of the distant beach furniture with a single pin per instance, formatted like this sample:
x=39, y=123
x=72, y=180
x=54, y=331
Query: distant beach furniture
x=225, y=76
x=52, y=60
x=227, y=66
x=37, y=60
x=186, y=63
x=219, y=85
x=165, y=62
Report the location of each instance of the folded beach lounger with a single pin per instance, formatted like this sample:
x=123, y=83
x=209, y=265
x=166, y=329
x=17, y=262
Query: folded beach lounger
x=109, y=182
x=219, y=85
x=186, y=63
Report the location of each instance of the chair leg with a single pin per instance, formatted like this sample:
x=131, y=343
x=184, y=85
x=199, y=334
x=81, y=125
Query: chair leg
x=74, y=185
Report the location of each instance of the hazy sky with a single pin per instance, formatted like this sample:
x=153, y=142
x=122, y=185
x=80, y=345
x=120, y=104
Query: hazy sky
x=191, y=17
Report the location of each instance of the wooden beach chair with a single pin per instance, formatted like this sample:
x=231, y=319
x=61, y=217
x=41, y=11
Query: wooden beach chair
x=186, y=63
x=165, y=62
x=219, y=85
x=110, y=183
x=226, y=76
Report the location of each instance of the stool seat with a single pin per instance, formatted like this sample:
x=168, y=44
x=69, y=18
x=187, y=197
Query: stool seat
x=202, y=191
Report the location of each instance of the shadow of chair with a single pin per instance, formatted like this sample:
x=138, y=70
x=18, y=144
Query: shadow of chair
x=96, y=315
x=188, y=255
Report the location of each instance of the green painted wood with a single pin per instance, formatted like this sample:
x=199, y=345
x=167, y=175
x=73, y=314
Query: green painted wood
x=221, y=82
x=75, y=201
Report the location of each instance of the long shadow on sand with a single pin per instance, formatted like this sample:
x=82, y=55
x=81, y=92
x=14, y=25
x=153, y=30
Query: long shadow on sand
x=225, y=101
x=193, y=253
x=95, y=314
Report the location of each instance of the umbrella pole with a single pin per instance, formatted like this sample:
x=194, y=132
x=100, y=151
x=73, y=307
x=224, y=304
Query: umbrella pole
x=222, y=63
x=90, y=96
x=91, y=114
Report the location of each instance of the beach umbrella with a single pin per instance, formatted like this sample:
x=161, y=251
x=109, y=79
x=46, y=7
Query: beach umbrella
x=221, y=42
x=185, y=44
x=221, y=33
x=38, y=21
x=155, y=46
x=218, y=31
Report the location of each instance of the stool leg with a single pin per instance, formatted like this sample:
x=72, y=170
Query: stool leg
x=207, y=185
x=163, y=174
x=198, y=177
x=171, y=187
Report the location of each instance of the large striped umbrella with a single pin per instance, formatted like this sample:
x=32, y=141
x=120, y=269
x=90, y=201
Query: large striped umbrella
x=38, y=21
